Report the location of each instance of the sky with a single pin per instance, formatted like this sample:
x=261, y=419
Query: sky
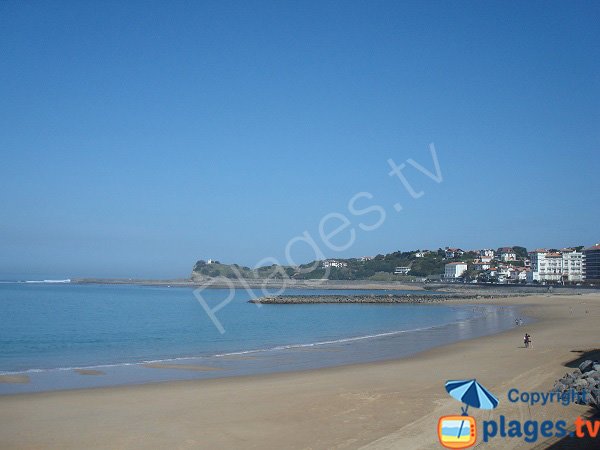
x=139, y=137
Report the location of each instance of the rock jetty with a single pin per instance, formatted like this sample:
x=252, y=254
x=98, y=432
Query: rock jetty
x=372, y=298
x=585, y=378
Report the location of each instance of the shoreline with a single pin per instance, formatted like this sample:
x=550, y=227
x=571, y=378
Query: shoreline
x=245, y=283
x=287, y=357
x=377, y=298
x=381, y=405
x=326, y=284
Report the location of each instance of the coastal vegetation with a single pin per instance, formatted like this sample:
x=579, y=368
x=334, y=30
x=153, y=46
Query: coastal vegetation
x=417, y=264
x=202, y=269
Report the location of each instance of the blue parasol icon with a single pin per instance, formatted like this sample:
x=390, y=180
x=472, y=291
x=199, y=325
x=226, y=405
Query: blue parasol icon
x=472, y=394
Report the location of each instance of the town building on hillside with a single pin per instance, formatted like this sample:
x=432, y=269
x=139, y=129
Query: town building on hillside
x=519, y=274
x=453, y=252
x=592, y=263
x=507, y=254
x=481, y=265
x=454, y=269
x=334, y=263
x=556, y=266
x=401, y=270
x=486, y=253
x=504, y=271
x=492, y=272
x=366, y=258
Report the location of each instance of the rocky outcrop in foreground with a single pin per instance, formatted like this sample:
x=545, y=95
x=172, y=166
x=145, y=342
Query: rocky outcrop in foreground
x=373, y=298
x=585, y=378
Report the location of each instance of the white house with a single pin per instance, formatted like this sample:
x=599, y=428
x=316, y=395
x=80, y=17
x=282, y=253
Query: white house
x=481, y=265
x=486, y=253
x=401, y=270
x=452, y=252
x=507, y=254
x=519, y=274
x=334, y=263
x=505, y=271
x=492, y=272
x=454, y=269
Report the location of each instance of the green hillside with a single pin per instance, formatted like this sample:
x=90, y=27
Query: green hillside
x=381, y=267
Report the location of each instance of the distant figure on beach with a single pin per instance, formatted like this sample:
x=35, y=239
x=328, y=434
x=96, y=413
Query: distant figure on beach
x=527, y=340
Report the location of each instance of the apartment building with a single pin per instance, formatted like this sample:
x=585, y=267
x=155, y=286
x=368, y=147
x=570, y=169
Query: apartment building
x=454, y=270
x=567, y=265
x=592, y=263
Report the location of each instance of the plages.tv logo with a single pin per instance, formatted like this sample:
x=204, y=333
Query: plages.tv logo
x=460, y=431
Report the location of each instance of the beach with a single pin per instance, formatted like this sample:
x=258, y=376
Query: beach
x=384, y=405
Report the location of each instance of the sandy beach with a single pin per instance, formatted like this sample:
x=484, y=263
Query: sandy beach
x=385, y=405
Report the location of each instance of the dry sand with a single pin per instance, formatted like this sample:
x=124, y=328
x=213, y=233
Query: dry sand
x=387, y=405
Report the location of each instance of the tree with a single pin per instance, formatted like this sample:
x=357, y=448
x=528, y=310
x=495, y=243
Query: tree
x=521, y=252
x=470, y=274
x=199, y=264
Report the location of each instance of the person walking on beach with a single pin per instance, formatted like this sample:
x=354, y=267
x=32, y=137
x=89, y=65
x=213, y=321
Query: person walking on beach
x=527, y=340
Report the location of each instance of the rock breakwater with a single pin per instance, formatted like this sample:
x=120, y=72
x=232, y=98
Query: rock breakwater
x=586, y=378
x=371, y=298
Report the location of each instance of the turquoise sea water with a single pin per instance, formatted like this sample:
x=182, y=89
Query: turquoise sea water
x=47, y=330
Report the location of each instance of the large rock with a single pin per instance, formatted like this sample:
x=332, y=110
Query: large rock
x=591, y=374
x=588, y=382
x=586, y=366
x=594, y=398
x=569, y=378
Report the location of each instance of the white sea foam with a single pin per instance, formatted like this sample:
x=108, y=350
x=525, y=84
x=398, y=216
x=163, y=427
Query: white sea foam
x=68, y=280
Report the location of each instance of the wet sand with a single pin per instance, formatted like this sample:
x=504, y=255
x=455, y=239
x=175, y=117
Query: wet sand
x=193, y=367
x=14, y=379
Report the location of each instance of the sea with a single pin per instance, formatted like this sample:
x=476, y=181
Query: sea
x=58, y=335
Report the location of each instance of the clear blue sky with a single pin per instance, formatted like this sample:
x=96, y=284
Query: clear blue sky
x=138, y=137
